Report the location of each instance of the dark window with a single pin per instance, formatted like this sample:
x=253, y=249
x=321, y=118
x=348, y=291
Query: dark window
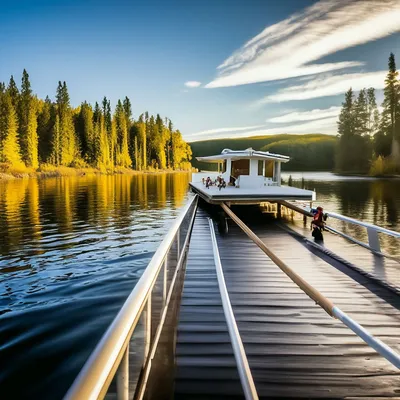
x=260, y=167
x=240, y=167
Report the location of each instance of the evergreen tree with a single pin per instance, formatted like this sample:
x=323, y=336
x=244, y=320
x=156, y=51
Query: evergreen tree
x=67, y=152
x=45, y=122
x=56, y=142
x=13, y=91
x=354, y=151
x=346, y=124
x=25, y=108
x=86, y=132
x=373, y=113
x=122, y=154
x=9, y=146
x=361, y=114
x=32, y=142
x=391, y=111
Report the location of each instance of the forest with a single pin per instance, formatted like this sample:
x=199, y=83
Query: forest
x=37, y=134
x=369, y=140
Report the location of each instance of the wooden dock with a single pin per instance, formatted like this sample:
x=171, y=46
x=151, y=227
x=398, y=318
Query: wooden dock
x=294, y=349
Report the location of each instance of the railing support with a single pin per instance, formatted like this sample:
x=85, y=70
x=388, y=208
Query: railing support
x=123, y=377
x=165, y=281
x=373, y=239
x=178, y=244
x=147, y=333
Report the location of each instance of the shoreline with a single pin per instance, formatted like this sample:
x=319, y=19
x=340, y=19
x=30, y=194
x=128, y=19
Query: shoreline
x=58, y=172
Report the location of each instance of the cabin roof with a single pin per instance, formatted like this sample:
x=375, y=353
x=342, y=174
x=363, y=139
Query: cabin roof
x=240, y=154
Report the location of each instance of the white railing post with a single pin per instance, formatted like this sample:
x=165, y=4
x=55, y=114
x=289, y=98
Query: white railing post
x=147, y=332
x=123, y=377
x=373, y=239
x=165, y=282
x=177, y=243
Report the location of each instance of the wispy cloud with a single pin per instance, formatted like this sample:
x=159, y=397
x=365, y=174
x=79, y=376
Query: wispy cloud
x=306, y=115
x=192, y=84
x=290, y=48
x=328, y=86
x=223, y=130
x=327, y=126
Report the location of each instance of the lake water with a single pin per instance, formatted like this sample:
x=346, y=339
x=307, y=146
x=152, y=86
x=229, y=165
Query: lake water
x=71, y=249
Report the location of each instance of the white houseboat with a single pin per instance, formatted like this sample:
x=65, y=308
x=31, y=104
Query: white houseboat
x=250, y=176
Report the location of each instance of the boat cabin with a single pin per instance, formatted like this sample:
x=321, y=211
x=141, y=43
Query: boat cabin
x=248, y=168
x=249, y=177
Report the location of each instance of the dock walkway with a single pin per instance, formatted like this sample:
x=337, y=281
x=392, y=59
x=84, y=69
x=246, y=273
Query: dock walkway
x=295, y=350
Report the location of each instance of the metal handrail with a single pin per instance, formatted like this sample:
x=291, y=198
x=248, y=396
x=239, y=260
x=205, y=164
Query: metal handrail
x=96, y=375
x=372, y=230
x=246, y=379
x=364, y=224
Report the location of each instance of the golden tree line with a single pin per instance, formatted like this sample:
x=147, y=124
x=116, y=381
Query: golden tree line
x=35, y=131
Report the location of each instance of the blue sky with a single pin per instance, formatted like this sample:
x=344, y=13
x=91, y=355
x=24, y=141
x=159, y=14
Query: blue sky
x=261, y=66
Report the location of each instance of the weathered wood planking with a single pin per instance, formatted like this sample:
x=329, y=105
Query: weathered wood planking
x=201, y=371
x=295, y=349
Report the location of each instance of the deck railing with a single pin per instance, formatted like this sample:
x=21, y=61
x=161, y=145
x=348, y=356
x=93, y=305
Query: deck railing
x=372, y=230
x=111, y=356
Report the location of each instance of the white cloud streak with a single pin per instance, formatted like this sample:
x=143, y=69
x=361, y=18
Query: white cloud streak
x=306, y=115
x=224, y=130
x=328, y=86
x=327, y=126
x=192, y=84
x=289, y=48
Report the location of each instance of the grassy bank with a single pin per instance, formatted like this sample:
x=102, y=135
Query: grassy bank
x=50, y=171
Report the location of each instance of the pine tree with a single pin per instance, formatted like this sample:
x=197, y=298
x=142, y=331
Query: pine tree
x=361, y=114
x=45, y=122
x=122, y=154
x=391, y=111
x=346, y=124
x=354, y=149
x=373, y=113
x=67, y=149
x=32, y=156
x=56, y=143
x=86, y=132
x=9, y=146
x=24, y=115
x=13, y=91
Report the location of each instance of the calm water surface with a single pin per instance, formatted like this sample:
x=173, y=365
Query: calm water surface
x=368, y=199
x=71, y=249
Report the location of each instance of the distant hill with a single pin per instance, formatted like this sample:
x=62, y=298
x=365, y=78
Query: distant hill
x=311, y=152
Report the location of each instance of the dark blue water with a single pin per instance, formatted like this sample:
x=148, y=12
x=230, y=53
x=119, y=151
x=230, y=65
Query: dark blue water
x=71, y=250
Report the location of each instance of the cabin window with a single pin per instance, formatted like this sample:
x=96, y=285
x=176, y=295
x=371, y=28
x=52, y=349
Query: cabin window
x=223, y=166
x=240, y=167
x=260, y=167
x=269, y=169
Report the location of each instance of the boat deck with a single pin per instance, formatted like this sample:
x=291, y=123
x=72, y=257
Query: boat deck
x=294, y=349
x=250, y=195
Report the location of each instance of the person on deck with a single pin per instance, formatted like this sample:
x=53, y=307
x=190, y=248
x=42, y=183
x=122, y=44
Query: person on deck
x=318, y=219
x=222, y=184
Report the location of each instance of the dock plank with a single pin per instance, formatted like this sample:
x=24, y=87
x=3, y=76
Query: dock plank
x=200, y=299
x=295, y=350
